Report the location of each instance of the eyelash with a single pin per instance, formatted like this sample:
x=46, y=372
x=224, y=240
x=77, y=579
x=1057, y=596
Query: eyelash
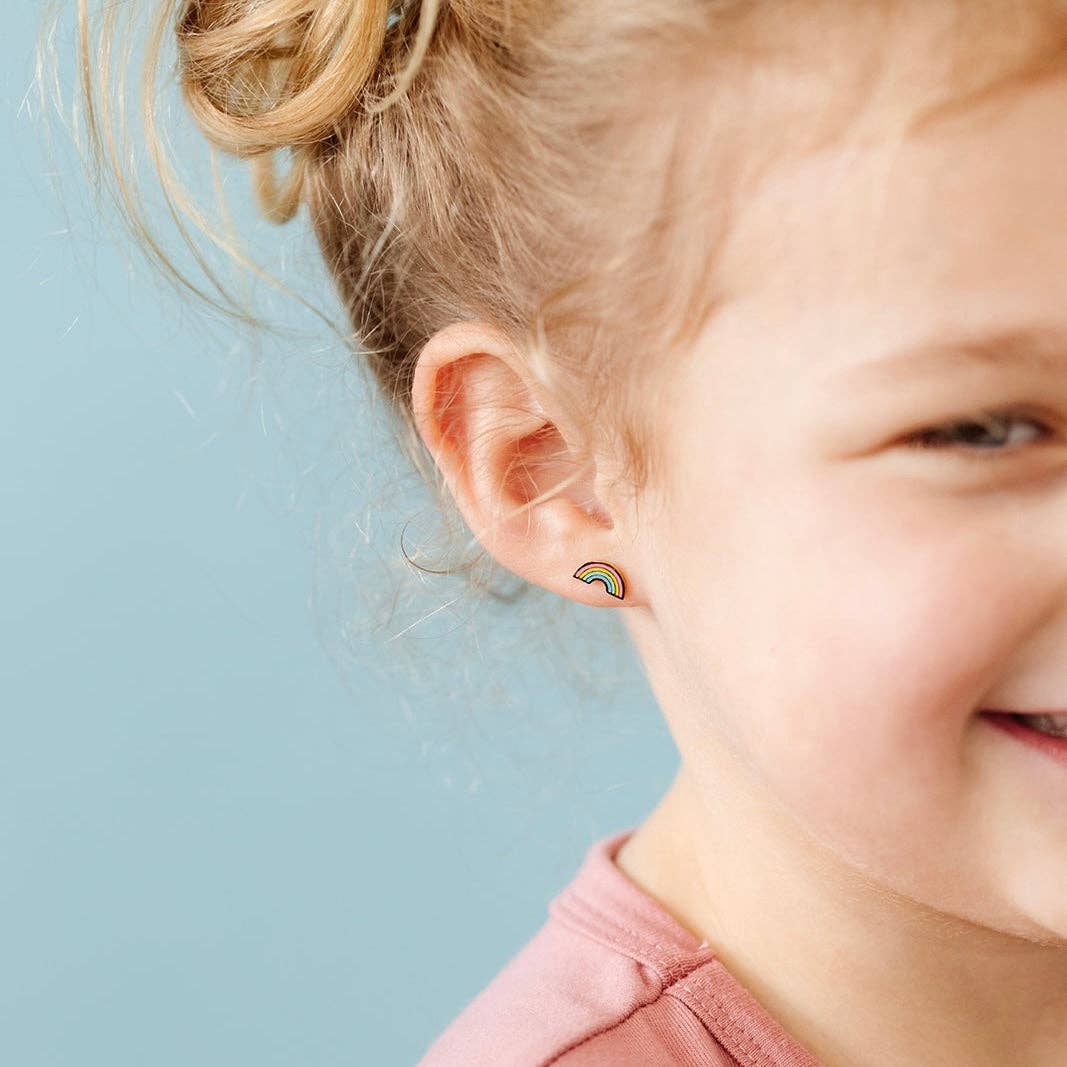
x=918, y=441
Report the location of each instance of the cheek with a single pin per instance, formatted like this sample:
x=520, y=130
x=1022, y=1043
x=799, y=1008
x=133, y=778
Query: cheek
x=842, y=641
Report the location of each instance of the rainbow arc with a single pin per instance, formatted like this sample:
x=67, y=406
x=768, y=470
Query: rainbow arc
x=601, y=572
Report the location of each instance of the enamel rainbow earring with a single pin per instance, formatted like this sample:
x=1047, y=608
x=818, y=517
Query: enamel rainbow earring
x=601, y=572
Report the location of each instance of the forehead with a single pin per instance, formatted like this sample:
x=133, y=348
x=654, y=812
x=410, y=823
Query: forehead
x=799, y=125
x=965, y=220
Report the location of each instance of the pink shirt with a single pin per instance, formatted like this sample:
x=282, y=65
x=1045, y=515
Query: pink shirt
x=613, y=980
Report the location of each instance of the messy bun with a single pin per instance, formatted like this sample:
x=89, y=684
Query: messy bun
x=283, y=74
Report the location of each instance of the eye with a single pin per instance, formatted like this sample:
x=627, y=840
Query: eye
x=983, y=433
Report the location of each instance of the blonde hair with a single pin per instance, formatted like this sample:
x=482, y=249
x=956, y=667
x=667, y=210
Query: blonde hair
x=525, y=162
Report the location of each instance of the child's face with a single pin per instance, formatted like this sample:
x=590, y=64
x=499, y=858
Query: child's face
x=835, y=608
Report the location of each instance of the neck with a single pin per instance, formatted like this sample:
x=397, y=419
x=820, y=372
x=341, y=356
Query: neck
x=855, y=972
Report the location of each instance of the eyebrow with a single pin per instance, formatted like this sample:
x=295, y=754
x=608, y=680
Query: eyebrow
x=1040, y=347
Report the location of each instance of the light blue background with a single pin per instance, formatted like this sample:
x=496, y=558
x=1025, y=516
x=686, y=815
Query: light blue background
x=239, y=824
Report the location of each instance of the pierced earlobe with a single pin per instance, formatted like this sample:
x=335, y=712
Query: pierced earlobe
x=602, y=572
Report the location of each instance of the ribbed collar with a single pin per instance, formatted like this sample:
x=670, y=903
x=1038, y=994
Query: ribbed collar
x=602, y=903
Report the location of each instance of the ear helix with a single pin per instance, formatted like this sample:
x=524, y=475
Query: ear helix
x=602, y=572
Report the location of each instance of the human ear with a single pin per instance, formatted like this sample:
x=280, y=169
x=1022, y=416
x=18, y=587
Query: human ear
x=512, y=468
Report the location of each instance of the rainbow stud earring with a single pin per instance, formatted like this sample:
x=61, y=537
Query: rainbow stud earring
x=601, y=572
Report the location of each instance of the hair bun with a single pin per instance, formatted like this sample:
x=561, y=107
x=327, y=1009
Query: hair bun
x=277, y=73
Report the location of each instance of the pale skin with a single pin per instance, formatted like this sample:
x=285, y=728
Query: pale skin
x=823, y=611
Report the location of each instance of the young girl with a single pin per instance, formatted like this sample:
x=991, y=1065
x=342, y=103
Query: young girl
x=746, y=319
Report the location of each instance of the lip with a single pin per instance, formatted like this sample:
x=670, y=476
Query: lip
x=1054, y=748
